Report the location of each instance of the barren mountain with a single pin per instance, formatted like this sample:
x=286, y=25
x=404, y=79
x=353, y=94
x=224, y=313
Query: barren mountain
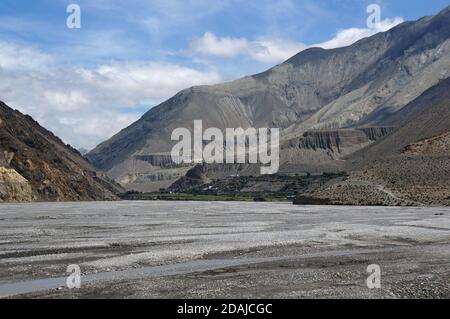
x=362, y=85
x=411, y=166
x=36, y=165
x=418, y=175
x=425, y=117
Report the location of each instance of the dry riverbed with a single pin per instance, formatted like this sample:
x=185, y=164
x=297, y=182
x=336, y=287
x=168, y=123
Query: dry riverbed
x=229, y=250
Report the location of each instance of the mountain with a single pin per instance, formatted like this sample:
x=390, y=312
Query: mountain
x=411, y=166
x=35, y=165
x=425, y=117
x=83, y=151
x=317, y=90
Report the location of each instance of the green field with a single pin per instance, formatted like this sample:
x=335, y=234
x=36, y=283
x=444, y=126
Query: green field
x=205, y=198
x=243, y=188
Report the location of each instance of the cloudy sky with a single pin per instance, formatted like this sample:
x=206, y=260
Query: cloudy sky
x=129, y=55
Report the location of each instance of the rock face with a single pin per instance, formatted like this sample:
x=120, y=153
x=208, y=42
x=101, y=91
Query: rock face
x=357, y=86
x=326, y=147
x=194, y=177
x=423, y=118
x=36, y=165
x=418, y=176
x=13, y=187
x=411, y=166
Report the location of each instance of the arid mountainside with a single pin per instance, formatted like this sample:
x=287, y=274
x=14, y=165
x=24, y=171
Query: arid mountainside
x=14, y=187
x=425, y=117
x=419, y=175
x=361, y=86
x=313, y=152
x=411, y=166
x=35, y=165
x=325, y=150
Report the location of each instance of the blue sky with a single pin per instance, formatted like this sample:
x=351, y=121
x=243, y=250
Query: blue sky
x=86, y=84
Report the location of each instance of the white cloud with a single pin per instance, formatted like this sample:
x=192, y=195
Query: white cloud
x=13, y=57
x=270, y=50
x=86, y=106
x=210, y=44
x=267, y=50
x=349, y=36
x=86, y=129
x=133, y=83
x=66, y=101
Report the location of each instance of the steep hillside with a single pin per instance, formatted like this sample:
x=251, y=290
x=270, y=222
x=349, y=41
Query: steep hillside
x=411, y=166
x=425, y=117
x=418, y=176
x=359, y=85
x=36, y=165
x=327, y=146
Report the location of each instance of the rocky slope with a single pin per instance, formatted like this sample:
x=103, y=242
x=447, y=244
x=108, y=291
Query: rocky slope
x=315, y=152
x=357, y=86
x=36, y=165
x=14, y=187
x=321, y=151
x=418, y=176
x=411, y=166
x=423, y=118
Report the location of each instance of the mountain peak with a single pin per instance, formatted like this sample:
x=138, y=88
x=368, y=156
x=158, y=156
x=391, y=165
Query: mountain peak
x=315, y=89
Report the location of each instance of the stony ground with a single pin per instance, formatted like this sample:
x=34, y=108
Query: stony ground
x=418, y=175
x=230, y=250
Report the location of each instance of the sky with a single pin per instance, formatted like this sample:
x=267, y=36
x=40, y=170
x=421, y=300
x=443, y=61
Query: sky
x=86, y=84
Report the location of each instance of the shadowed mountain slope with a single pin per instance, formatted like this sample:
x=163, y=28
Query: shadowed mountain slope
x=36, y=165
x=425, y=117
x=411, y=166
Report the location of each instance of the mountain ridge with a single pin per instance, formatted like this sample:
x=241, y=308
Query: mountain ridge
x=315, y=89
